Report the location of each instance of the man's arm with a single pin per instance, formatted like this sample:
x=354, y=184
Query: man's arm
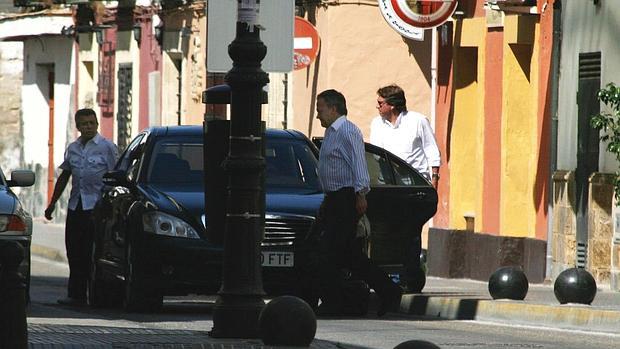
x=61, y=184
x=431, y=150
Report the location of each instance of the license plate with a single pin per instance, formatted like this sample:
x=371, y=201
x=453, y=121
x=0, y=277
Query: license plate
x=277, y=259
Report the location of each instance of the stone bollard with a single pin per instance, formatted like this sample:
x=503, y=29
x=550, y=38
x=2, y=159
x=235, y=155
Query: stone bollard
x=287, y=321
x=13, y=326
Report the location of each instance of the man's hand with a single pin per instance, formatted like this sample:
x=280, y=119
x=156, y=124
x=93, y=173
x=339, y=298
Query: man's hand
x=360, y=204
x=48, y=211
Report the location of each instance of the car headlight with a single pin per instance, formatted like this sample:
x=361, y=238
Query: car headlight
x=12, y=223
x=164, y=224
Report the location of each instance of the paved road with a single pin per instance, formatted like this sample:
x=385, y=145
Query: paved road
x=186, y=320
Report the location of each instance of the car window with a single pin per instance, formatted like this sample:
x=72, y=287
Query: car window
x=379, y=170
x=290, y=164
x=177, y=161
x=405, y=175
x=129, y=155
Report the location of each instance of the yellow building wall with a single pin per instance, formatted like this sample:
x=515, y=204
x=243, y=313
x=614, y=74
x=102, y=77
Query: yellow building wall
x=467, y=131
x=519, y=128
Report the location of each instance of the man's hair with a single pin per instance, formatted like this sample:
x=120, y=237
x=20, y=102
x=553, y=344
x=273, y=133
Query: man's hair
x=334, y=98
x=394, y=96
x=84, y=112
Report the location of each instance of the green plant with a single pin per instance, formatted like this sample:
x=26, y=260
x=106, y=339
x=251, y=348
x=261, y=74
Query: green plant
x=609, y=123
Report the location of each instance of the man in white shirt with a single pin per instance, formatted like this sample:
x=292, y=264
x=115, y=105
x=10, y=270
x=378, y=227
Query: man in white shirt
x=86, y=160
x=409, y=136
x=406, y=134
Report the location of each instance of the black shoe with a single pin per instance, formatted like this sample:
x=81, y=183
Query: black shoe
x=74, y=302
x=390, y=302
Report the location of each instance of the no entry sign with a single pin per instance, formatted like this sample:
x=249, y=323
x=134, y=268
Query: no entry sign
x=306, y=43
x=405, y=16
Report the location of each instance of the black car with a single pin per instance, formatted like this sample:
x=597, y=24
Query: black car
x=15, y=221
x=151, y=240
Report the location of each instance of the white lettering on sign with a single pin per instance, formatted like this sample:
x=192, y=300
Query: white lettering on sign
x=302, y=43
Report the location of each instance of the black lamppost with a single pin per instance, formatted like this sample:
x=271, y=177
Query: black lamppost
x=240, y=299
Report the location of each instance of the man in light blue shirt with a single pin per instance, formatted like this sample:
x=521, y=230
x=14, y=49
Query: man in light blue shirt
x=86, y=160
x=344, y=176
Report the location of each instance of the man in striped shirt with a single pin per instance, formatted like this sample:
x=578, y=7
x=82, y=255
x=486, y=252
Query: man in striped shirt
x=344, y=177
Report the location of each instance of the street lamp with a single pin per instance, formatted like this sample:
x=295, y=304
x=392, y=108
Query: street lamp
x=240, y=299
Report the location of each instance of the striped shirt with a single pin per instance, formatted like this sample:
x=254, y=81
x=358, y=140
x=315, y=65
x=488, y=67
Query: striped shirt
x=342, y=159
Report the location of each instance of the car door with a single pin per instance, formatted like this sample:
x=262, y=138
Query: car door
x=115, y=202
x=399, y=203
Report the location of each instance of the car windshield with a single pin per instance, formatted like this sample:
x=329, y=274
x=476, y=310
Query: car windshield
x=176, y=161
x=290, y=163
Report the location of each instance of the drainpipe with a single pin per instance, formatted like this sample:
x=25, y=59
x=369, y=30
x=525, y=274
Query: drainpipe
x=555, y=77
x=433, y=76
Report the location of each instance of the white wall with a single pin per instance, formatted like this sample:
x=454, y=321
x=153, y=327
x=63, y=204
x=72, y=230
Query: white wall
x=586, y=28
x=39, y=53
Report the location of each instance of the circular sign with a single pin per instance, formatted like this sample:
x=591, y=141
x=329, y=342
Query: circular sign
x=409, y=16
x=306, y=43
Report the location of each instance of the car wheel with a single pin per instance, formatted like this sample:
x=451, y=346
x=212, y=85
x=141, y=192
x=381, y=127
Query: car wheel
x=416, y=281
x=138, y=297
x=99, y=292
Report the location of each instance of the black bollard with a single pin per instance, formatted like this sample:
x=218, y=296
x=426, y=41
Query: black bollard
x=416, y=344
x=13, y=326
x=508, y=283
x=287, y=321
x=575, y=285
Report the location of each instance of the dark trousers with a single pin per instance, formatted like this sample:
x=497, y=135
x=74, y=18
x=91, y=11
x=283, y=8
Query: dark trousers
x=339, y=250
x=79, y=230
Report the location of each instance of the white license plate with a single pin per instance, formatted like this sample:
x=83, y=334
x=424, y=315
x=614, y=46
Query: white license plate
x=277, y=259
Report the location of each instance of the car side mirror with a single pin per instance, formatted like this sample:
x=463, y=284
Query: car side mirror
x=21, y=178
x=115, y=178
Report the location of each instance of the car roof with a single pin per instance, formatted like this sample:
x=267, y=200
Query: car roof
x=196, y=130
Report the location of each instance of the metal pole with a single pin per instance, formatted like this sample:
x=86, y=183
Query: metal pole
x=240, y=299
x=13, y=324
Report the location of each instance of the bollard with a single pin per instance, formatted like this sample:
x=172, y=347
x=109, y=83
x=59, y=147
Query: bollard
x=13, y=326
x=575, y=285
x=287, y=321
x=416, y=344
x=508, y=283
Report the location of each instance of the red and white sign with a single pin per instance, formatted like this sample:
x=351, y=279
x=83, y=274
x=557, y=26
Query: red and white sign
x=409, y=16
x=306, y=43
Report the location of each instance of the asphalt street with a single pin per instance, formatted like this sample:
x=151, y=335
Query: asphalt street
x=451, y=299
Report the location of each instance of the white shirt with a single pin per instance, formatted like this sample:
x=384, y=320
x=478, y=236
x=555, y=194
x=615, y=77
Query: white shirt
x=342, y=158
x=87, y=163
x=411, y=138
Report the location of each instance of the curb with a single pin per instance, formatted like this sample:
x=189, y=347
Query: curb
x=568, y=316
x=49, y=253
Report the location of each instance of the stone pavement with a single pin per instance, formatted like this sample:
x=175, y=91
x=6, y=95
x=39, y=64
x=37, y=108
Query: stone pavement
x=453, y=299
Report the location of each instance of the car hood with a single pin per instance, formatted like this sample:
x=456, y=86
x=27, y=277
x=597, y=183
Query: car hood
x=7, y=201
x=299, y=203
x=177, y=198
x=190, y=199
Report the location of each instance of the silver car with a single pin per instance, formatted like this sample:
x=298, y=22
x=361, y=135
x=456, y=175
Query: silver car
x=15, y=222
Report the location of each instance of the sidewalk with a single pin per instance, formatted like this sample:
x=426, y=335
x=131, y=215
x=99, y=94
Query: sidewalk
x=452, y=299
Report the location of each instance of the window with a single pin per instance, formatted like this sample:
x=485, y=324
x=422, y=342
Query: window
x=177, y=161
x=290, y=164
x=379, y=170
x=404, y=175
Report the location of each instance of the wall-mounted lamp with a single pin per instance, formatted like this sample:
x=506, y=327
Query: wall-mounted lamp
x=159, y=33
x=137, y=32
x=99, y=36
